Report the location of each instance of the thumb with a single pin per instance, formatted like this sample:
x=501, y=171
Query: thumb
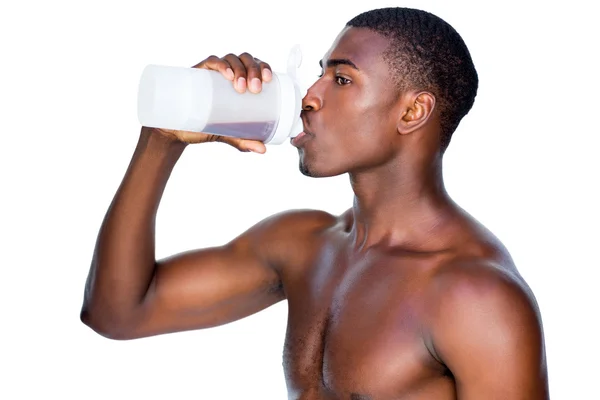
x=245, y=144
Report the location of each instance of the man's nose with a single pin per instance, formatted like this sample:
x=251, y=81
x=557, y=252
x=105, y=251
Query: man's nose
x=313, y=100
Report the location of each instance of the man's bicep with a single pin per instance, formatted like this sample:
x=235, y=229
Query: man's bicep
x=208, y=287
x=488, y=332
x=213, y=286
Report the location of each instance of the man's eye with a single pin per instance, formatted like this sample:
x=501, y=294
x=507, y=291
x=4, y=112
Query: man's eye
x=342, y=81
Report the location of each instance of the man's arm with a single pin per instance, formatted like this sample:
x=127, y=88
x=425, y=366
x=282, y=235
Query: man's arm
x=487, y=330
x=129, y=294
x=123, y=262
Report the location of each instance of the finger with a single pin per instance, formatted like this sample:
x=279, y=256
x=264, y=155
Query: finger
x=217, y=64
x=266, y=71
x=253, y=71
x=239, y=71
x=244, y=145
x=254, y=146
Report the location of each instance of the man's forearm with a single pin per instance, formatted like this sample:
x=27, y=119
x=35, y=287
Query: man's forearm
x=124, y=259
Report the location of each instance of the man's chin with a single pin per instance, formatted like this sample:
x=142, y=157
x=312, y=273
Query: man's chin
x=309, y=170
x=306, y=170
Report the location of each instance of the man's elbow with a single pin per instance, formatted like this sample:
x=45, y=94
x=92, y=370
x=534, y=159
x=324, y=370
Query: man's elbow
x=110, y=328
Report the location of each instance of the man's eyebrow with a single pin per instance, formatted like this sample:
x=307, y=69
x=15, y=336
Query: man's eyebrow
x=338, y=61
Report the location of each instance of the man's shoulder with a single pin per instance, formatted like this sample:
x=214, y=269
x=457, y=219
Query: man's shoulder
x=287, y=226
x=479, y=267
x=478, y=294
x=482, y=310
x=466, y=279
x=289, y=236
x=298, y=221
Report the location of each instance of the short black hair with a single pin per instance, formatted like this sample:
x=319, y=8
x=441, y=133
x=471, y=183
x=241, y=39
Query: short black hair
x=426, y=53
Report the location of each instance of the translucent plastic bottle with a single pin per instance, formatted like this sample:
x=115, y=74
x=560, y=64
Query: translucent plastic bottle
x=200, y=100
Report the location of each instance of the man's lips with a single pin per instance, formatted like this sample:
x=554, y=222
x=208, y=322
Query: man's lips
x=301, y=138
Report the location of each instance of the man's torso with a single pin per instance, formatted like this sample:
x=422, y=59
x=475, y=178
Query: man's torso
x=358, y=322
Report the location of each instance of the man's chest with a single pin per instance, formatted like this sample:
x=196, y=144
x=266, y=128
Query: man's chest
x=355, y=328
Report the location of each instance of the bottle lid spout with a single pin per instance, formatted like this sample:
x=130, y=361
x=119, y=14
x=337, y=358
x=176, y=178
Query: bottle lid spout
x=294, y=61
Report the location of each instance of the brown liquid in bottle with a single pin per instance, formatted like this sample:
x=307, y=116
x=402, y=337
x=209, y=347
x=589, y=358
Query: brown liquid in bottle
x=261, y=130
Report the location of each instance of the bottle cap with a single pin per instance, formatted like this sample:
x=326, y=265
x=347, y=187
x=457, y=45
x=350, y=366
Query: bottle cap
x=290, y=123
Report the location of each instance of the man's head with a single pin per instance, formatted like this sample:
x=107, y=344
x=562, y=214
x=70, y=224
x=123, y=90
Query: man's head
x=394, y=78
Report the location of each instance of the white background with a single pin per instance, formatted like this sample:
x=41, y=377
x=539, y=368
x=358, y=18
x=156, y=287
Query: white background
x=523, y=162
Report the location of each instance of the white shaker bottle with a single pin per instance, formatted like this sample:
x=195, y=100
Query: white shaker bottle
x=200, y=100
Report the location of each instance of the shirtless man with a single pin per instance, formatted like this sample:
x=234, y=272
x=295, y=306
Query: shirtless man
x=403, y=296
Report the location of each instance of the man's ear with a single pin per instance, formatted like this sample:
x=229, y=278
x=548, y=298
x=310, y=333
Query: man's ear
x=416, y=110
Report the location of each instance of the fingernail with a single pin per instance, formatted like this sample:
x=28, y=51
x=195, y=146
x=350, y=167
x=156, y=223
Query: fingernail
x=241, y=84
x=267, y=74
x=255, y=85
x=229, y=73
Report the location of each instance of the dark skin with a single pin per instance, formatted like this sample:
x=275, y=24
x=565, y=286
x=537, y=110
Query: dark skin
x=403, y=296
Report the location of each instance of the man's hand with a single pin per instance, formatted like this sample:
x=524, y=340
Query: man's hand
x=246, y=73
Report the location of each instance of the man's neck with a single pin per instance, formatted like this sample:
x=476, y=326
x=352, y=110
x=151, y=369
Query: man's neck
x=403, y=204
